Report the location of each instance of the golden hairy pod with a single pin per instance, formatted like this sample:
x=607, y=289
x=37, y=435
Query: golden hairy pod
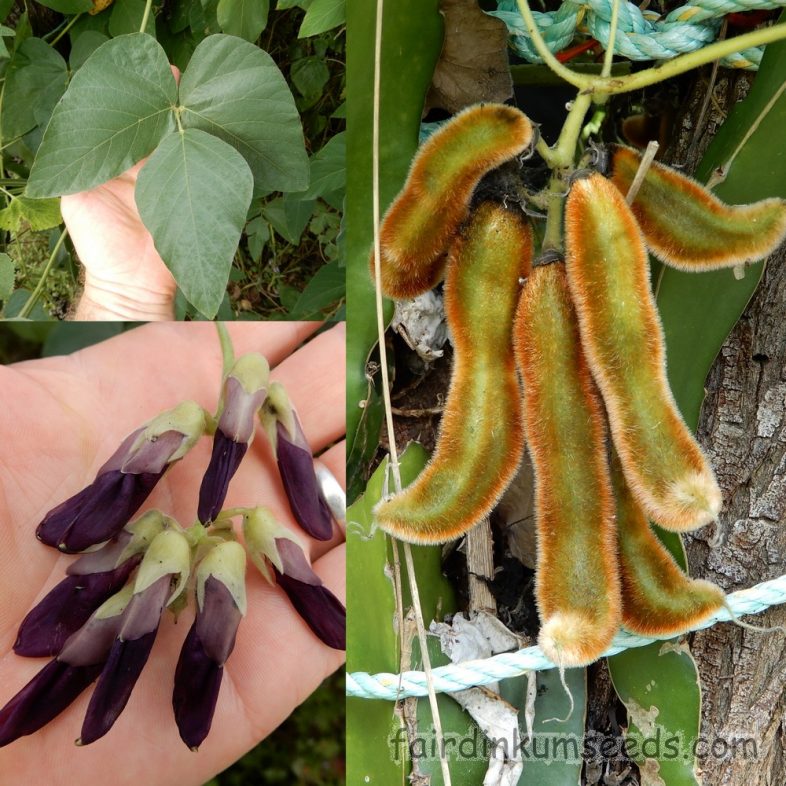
x=688, y=227
x=577, y=583
x=658, y=598
x=609, y=278
x=481, y=436
x=419, y=226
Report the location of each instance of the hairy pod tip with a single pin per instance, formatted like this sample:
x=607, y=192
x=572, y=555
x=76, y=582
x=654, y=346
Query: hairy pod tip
x=658, y=598
x=688, y=227
x=419, y=226
x=622, y=337
x=577, y=580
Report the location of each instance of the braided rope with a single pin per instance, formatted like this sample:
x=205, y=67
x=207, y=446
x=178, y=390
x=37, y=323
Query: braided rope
x=640, y=35
x=460, y=676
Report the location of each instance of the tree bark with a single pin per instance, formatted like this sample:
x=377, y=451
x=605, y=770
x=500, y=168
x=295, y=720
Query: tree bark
x=743, y=430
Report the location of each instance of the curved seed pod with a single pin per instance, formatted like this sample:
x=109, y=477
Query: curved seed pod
x=577, y=582
x=481, y=436
x=658, y=599
x=608, y=274
x=688, y=227
x=419, y=226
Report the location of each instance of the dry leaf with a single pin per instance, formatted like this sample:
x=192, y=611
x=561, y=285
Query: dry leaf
x=473, y=66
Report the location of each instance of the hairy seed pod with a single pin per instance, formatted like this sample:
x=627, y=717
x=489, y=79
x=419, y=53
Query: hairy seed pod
x=481, y=436
x=608, y=274
x=688, y=227
x=577, y=582
x=658, y=599
x=419, y=226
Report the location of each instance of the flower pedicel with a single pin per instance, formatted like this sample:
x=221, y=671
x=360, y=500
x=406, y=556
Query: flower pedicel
x=100, y=622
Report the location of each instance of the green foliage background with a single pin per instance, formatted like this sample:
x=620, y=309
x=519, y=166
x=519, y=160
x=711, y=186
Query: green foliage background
x=289, y=263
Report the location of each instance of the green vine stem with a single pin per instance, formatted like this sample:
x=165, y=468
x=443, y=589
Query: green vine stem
x=560, y=160
x=146, y=15
x=36, y=293
x=65, y=29
x=609, y=85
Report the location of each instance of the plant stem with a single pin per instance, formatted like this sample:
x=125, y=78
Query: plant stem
x=146, y=15
x=561, y=159
x=227, y=350
x=608, y=85
x=609, y=53
x=36, y=293
x=70, y=24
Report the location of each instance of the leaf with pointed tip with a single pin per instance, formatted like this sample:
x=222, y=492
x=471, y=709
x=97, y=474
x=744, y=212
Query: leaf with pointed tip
x=114, y=113
x=234, y=90
x=193, y=195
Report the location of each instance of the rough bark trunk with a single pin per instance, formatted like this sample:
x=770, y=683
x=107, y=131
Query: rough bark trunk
x=743, y=429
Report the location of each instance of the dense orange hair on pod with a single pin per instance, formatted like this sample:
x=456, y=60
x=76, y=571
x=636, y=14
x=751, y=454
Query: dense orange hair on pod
x=658, y=598
x=419, y=226
x=622, y=337
x=481, y=437
x=577, y=581
x=688, y=227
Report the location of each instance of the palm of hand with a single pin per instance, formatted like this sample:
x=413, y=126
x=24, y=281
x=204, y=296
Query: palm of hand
x=63, y=417
x=114, y=245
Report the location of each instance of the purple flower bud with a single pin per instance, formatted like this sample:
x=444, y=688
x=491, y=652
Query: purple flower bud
x=99, y=512
x=295, y=464
x=60, y=682
x=68, y=606
x=201, y=665
x=127, y=657
x=43, y=698
x=168, y=558
x=224, y=461
x=221, y=604
x=320, y=609
x=244, y=393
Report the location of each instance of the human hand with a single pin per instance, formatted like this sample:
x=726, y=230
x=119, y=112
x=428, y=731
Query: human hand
x=125, y=278
x=62, y=418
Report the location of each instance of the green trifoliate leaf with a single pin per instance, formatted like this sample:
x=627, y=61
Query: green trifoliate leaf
x=234, y=90
x=117, y=108
x=35, y=79
x=193, y=195
x=38, y=213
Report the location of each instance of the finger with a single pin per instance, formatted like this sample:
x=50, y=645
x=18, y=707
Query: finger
x=315, y=380
x=158, y=365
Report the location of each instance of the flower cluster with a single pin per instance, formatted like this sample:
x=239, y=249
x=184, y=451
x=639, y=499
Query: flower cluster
x=100, y=622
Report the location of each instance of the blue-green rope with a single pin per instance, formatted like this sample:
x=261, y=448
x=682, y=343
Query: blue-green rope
x=640, y=35
x=460, y=676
